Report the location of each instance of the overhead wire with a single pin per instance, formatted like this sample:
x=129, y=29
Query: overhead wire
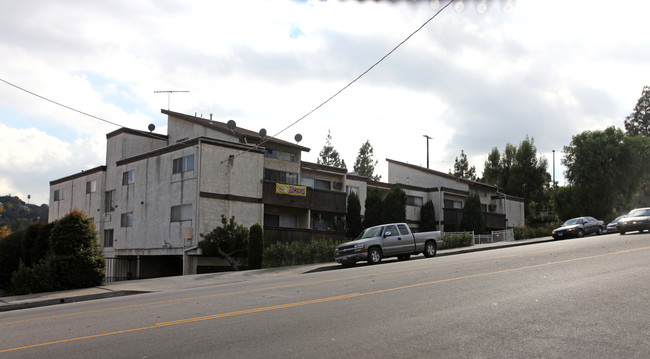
x=264, y=140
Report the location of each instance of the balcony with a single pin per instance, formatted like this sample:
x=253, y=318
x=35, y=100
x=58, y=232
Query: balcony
x=274, y=235
x=317, y=200
x=493, y=221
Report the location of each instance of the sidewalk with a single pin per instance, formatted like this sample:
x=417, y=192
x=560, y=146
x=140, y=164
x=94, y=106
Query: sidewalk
x=117, y=289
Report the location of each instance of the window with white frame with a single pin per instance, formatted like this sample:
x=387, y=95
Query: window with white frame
x=58, y=195
x=91, y=186
x=183, y=164
x=128, y=177
x=181, y=213
x=126, y=219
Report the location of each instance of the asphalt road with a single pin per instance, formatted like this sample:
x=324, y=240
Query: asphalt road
x=581, y=298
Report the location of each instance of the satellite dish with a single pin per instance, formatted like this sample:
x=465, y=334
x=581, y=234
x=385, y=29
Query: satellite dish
x=298, y=138
x=151, y=127
x=231, y=124
x=262, y=133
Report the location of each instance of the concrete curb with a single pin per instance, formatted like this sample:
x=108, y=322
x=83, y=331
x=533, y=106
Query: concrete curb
x=25, y=302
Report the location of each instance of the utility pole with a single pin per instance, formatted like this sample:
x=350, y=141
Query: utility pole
x=168, y=92
x=553, y=170
x=428, y=138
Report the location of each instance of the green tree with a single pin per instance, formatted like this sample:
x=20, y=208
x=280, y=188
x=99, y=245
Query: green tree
x=528, y=176
x=394, y=205
x=75, y=259
x=638, y=122
x=329, y=156
x=255, y=246
x=472, y=219
x=427, y=217
x=353, y=216
x=374, y=204
x=462, y=168
x=605, y=169
x=230, y=241
x=492, y=170
x=364, y=164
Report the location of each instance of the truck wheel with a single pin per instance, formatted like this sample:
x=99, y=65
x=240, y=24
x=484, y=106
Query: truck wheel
x=429, y=249
x=374, y=255
x=403, y=257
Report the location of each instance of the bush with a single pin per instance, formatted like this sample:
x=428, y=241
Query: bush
x=455, y=240
x=9, y=256
x=295, y=253
x=534, y=232
x=255, y=246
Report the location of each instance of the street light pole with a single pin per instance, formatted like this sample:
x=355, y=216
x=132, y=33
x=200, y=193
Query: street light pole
x=428, y=138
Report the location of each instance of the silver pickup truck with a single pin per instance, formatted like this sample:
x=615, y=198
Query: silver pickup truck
x=388, y=240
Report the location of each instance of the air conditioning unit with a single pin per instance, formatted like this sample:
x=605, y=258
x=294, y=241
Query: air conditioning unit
x=338, y=185
x=492, y=207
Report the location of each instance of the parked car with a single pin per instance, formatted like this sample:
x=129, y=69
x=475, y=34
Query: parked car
x=388, y=240
x=611, y=226
x=578, y=227
x=637, y=220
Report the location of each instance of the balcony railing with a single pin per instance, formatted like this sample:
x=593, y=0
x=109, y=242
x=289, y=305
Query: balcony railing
x=493, y=221
x=274, y=235
x=319, y=200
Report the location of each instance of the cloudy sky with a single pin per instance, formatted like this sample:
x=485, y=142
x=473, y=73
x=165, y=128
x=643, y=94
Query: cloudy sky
x=472, y=80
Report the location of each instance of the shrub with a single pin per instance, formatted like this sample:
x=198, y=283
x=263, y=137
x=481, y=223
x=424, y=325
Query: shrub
x=255, y=246
x=295, y=253
x=534, y=232
x=9, y=256
x=455, y=240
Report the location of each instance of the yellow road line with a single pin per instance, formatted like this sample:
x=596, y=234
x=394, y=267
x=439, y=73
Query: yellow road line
x=321, y=300
x=438, y=265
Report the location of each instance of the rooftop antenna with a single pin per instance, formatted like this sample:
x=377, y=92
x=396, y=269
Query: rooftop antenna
x=169, y=93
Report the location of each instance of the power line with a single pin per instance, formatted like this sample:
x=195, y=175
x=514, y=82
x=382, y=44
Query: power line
x=365, y=72
x=60, y=104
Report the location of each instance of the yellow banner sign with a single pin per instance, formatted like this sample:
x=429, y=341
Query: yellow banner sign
x=290, y=189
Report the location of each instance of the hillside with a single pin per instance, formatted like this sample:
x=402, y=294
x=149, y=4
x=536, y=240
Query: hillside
x=17, y=209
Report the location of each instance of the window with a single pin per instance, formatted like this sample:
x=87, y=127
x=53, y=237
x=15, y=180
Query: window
x=392, y=229
x=183, y=164
x=108, y=238
x=128, y=177
x=58, y=195
x=109, y=196
x=453, y=204
x=272, y=153
x=181, y=213
x=280, y=220
x=322, y=184
x=127, y=219
x=306, y=181
x=288, y=156
x=403, y=230
x=414, y=201
x=281, y=176
x=91, y=186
